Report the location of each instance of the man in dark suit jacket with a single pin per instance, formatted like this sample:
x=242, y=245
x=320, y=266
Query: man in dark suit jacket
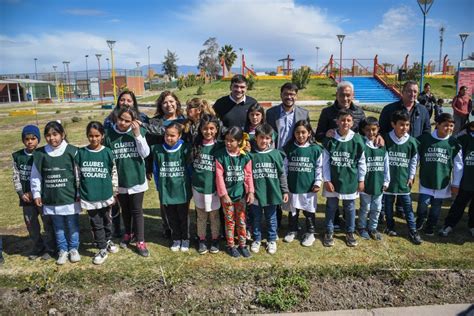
x=283, y=117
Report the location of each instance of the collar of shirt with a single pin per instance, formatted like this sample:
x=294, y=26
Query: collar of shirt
x=400, y=140
x=58, y=151
x=370, y=143
x=241, y=102
x=284, y=113
x=435, y=135
x=346, y=138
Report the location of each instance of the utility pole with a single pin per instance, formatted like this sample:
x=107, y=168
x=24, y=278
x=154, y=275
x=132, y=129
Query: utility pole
x=441, y=34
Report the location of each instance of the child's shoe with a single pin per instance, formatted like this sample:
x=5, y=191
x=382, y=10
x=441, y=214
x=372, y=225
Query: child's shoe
x=202, y=247
x=176, y=245
x=233, y=252
x=375, y=235
x=214, y=246
x=444, y=232
x=74, y=256
x=34, y=255
x=364, y=234
x=415, y=237
x=112, y=247
x=429, y=231
x=46, y=256
x=255, y=247
x=244, y=250
x=62, y=257
x=290, y=236
x=100, y=257
x=390, y=232
x=127, y=238
x=328, y=240
x=142, y=249
x=272, y=247
x=308, y=240
x=350, y=240
x=184, y=245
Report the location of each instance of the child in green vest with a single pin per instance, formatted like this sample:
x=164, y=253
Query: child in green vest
x=127, y=141
x=466, y=188
x=234, y=184
x=204, y=183
x=98, y=188
x=54, y=187
x=439, y=154
x=344, y=169
x=271, y=187
x=402, y=155
x=171, y=169
x=43, y=247
x=304, y=169
x=376, y=180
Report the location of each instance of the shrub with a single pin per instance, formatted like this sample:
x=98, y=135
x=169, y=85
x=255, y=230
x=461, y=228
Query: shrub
x=251, y=82
x=301, y=77
x=76, y=119
x=200, y=91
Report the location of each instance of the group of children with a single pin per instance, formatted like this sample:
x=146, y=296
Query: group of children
x=236, y=180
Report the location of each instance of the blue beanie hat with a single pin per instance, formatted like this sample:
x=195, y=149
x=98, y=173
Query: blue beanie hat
x=31, y=129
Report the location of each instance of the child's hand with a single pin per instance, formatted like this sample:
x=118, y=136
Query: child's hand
x=38, y=202
x=285, y=197
x=250, y=198
x=410, y=183
x=226, y=199
x=315, y=189
x=331, y=133
x=149, y=176
x=136, y=128
x=379, y=141
x=26, y=197
x=361, y=186
x=454, y=190
x=329, y=186
x=384, y=188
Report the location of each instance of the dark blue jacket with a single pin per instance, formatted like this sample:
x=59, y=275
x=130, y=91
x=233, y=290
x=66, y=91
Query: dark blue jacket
x=419, y=118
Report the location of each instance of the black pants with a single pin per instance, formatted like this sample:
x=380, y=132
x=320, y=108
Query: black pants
x=101, y=225
x=177, y=215
x=132, y=211
x=310, y=221
x=457, y=209
x=115, y=210
x=46, y=243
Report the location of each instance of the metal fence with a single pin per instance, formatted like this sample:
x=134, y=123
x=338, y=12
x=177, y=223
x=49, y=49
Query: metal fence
x=62, y=76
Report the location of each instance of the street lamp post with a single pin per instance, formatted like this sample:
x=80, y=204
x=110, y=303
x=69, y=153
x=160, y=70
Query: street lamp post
x=149, y=75
x=108, y=66
x=56, y=82
x=100, y=80
x=66, y=63
x=463, y=37
x=111, y=46
x=340, y=37
x=241, y=61
x=317, y=59
x=36, y=70
x=87, y=78
x=425, y=6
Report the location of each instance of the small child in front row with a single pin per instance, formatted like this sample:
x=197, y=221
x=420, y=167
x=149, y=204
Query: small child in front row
x=234, y=184
x=376, y=180
x=204, y=182
x=22, y=162
x=54, y=187
x=344, y=169
x=304, y=164
x=98, y=188
x=171, y=163
x=440, y=154
x=402, y=155
x=271, y=187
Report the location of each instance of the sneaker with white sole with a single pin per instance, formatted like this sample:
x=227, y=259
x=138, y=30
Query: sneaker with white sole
x=74, y=256
x=444, y=232
x=111, y=247
x=184, y=245
x=272, y=247
x=308, y=240
x=255, y=247
x=290, y=237
x=176, y=245
x=62, y=257
x=100, y=257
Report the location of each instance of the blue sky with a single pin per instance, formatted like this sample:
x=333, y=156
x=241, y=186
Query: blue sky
x=53, y=31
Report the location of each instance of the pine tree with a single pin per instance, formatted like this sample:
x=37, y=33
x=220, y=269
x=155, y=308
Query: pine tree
x=169, y=64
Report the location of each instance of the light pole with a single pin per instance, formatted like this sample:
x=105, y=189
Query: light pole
x=100, y=80
x=463, y=37
x=56, y=82
x=425, y=6
x=317, y=58
x=36, y=70
x=138, y=66
x=111, y=46
x=108, y=66
x=149, y=75
x=441, y=33
x=66, y=63
x=340, y=37
x=87, y=78
x=241, y=61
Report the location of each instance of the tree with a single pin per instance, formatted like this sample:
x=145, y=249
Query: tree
x=169, y=64
x=301, y=77
x=227, y=52
x=208, y=59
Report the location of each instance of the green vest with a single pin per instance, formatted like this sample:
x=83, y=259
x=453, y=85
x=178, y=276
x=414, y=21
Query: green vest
x=436, y=160
x=130, y=165
x=233, y=173
x=302, y=163
x=174, y=183
x=399, y=157
x=23, y=163
x=58, y=186
x=267, y=167
x=374, y=178
x=467, y=144
x=344, y=159
x=204, y=170
x=96, y=174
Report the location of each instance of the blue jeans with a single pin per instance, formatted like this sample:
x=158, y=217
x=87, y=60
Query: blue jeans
x=422, y=211
x=369, y=205
x=270, y=218
x=407, y=209
x=66, y=229
x=349, y=211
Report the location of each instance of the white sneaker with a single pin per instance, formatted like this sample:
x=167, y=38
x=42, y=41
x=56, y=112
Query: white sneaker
x=290, y=237
x=176, y=245
x=100, y=257
x=111, y=247
x=308, y=240
x=255, y=247
x=74, y=256
x=445, y=231
x=272, y=247
x=185, y=245
x=62, y=257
